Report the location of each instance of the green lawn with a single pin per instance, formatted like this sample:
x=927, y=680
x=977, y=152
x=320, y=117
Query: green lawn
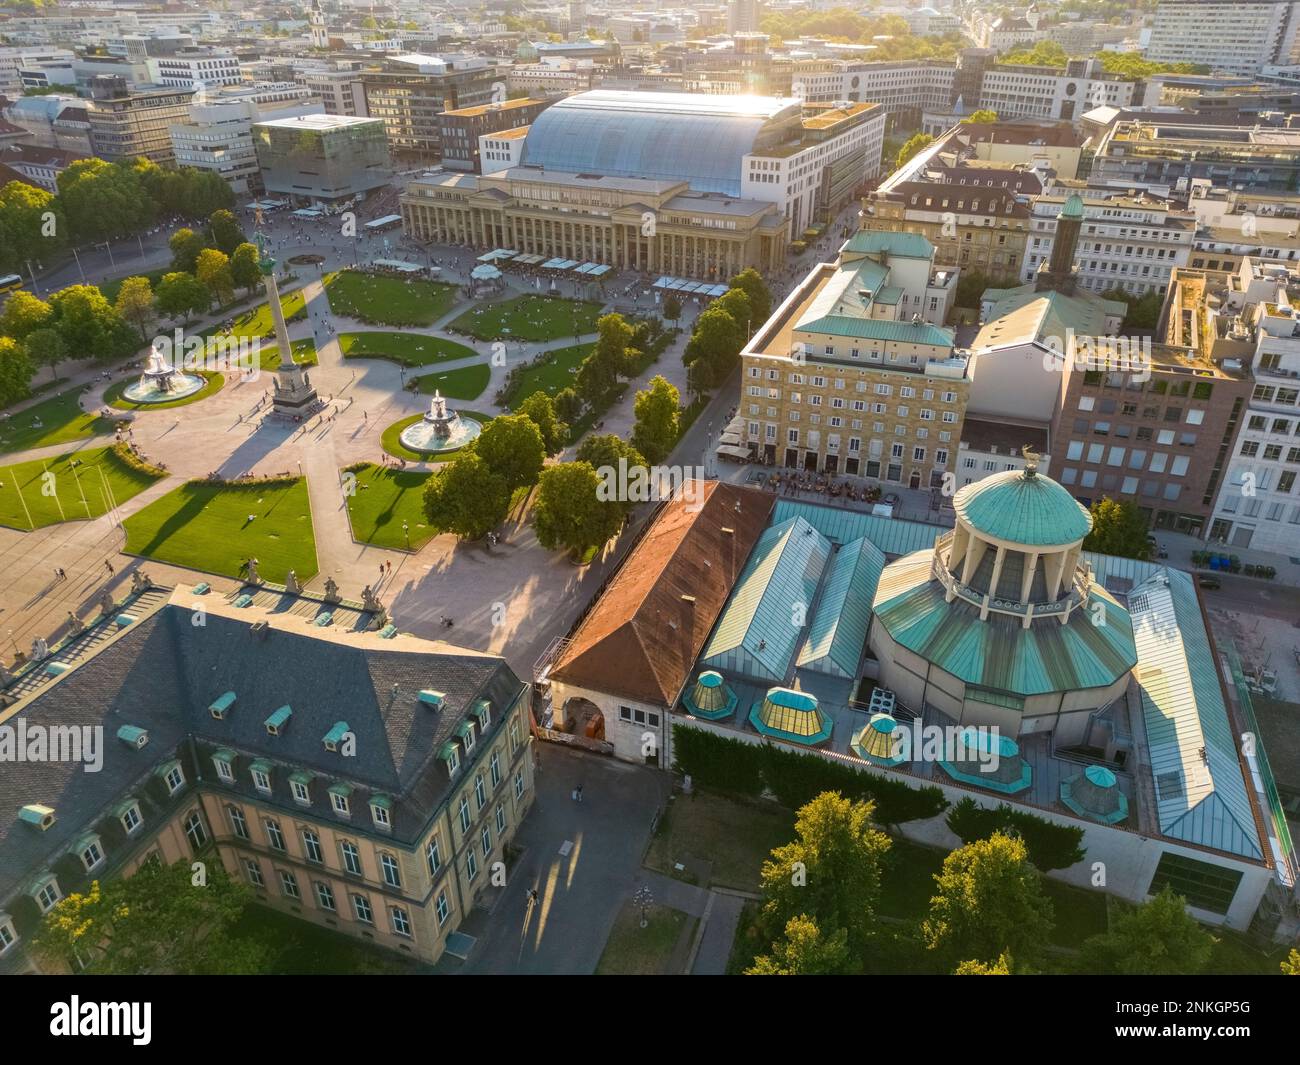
x=53, y=421
x=388, y=300
x=465, y=384
x=383, y=500
x=529, y=318
x=556, y=373
x=114, y=398
x=301, y=948
x=408, y=349
x=110, y=289
x=304, y=353
x=651, y=951
x=735, y=836
x=207, y=527
x=78, y=490
x=258, y=323
x=392, y=443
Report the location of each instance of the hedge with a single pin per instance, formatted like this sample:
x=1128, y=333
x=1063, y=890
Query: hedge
x=1050, y=846
x=125, y=454
x=794, y=778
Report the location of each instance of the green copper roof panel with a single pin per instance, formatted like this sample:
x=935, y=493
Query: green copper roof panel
x=224, y=755
x=998, y=653
x=464, y=729
x=1200, y=797
x=760, y=627
x=431, y=697
x=1023, y=508
x=382, y=801
x=481, y=709
x=892, y=535
x=839, y=627
x=447, y=751
x=261, y=765
x=302, y=777
x=882, y=329
x=340, y=789
x=337, y=732
x=903, y=245
x=280, y=718
x=222, y=703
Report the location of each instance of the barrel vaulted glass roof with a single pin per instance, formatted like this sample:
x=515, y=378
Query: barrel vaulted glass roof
x=697, y=138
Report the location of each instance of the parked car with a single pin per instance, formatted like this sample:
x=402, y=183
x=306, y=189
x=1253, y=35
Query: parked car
x=1207, y=580
x=891, y=499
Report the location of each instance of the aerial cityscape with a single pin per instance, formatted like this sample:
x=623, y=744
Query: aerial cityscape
x=558, y=487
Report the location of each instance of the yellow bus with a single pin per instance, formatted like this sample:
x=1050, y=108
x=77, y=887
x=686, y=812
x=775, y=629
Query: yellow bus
x=11, y=283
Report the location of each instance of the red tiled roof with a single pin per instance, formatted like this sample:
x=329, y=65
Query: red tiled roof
x=642, y=638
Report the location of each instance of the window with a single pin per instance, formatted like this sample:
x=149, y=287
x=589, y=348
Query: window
x=300, y=793
x=311, y=847
x=261, y=780
x=480, y=793
x=519, y=784
x=361, y=907
x=8, y=937
x=468, y=738
x=495, y=768
x=273, y=834
x=130, y=819
x=325, y=896
x=453, y=762
x=237, y=821
x=196, y=832
x=379, y=814
x=224, y=771
x=289, y=885
x=401, y=922
x=433, y=856
x=1203, y=885
x=501, y=819
x=48, y=895
x=254, y=873
x=471, y=866
x=514, y=736
x=485, y=840
x=392, y=871
x=340, y=803
x=440, y=907
x=175, y=779
x=351, y=858
x=91, y=855
x=464, y=813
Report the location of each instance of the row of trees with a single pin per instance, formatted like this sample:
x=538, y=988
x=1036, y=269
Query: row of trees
x=1128, y=65
x=96, y=201
x=989, y=914
x=890, y=34
x=723, y=329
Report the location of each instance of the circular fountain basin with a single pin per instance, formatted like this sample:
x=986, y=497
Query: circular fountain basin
x=159, y=389
x=424, y=436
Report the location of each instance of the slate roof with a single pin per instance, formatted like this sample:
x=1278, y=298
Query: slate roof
x=641, y=638
x=163, y=672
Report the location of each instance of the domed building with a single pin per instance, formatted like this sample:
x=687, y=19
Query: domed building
x=1001, y=623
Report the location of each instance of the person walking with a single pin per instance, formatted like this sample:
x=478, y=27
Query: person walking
x=577, y=793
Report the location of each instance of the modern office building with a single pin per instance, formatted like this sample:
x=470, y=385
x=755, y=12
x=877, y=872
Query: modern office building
x=128, y=122
x=191, y=68
x=360, y=783
x=322, y=159
x=854, y=373
x=1239, y=36
x=408, y=93
x=744, y=16
x=459, y=130
x=13, y=60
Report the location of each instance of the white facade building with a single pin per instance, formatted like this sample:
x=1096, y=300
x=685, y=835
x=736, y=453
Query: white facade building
x=1238, y=36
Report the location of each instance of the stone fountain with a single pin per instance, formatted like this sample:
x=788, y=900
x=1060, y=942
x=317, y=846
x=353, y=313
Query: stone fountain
x=162, y=382
x=441, y=429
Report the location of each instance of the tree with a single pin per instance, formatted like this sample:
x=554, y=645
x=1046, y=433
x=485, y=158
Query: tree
x=672, y=307
x=465, y=497
x=511, y=447
x=244, y=269
x=213, y=270
x=180, y=295
x=599, y=371
x=715, y=344
x=982, y=117
x=568, y=405
x=1291, y=964
x=990, y=900
x=1001, y=967
x=657, y=409
x=830, y=872
x=970, y=288
x=804, y=951
x=135, y=303
x=24, y=313
x=225, y=231
x=539, y=408
x=186, y=246
x=608, y=454
x=89, y=325
x=45, y=347
x=103, y=200
x=736, y=303
x=1118, y=528
x=31, y=225
x=751, y=282
x=914, y=144
x=16, y=372
x=157, y=921
x=569, y=512
x=1158, y=938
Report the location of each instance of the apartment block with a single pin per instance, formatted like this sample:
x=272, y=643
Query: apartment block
x=1239, y=36
x=127, y=123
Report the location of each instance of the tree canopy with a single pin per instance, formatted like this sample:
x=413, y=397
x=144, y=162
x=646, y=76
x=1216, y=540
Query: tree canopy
x=466, y=497
x=1118, y=528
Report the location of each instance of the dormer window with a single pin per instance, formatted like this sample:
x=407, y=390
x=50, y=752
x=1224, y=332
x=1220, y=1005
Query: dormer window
x=483, y=711
x=224, y=761
x=336, y=735
x=279, y=721
x=173, y=776
x=8, y=935
x=128, y=816
x=299, y=785
x=451, y=756
x=46, y=893
x=381, y=812
x=261, y=772
x=220, y=706
x=465, y=730
x=90, y=851
x=340, y=799
x=432, y=699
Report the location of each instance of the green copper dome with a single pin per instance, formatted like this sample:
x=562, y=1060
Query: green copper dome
x=1023, y=508
x=1073, y=207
